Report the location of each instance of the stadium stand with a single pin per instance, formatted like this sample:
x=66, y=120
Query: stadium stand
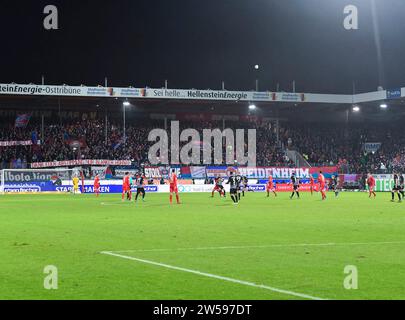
x=319, y=144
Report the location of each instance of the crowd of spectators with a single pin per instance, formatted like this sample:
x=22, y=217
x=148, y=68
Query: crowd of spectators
x=344, y=146
x=320, y=145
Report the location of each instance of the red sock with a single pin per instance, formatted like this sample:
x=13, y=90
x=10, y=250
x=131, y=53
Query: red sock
x=171, y=198
x=177, y=198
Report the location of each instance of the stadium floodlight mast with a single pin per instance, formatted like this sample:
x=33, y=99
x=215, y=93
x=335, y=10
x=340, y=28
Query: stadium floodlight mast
x=125, y=104
x=257, y=67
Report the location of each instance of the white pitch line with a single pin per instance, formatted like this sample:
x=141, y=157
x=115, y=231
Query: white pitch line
x=209, y=275
x=265, y=246
x=116, y=203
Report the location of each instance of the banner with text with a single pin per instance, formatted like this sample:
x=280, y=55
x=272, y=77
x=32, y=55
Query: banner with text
x=69, y=163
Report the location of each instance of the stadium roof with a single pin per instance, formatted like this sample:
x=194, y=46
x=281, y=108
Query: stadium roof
x=369, y=102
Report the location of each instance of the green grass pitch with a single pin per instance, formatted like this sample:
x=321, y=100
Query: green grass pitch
x=301, y=246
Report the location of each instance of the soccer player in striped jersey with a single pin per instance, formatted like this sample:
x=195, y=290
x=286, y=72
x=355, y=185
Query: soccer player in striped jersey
x=139, y=183
x=245, y=182
x=335, y=185
x=396, y=188
x=296, y=185
x=234, y=186
x=239, y=181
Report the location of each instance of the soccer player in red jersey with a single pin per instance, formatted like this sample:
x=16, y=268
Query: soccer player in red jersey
x=270, y=187
x=173, y=187
x=97, y=185
x=322, y=185
x=218, y=187
x=371, y=186
x=126, y=187
x=311, y=184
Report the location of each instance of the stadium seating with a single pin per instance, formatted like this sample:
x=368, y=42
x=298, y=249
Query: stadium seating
x=319, y=144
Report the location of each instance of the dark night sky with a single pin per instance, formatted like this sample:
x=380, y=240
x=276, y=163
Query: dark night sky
x=197, y=44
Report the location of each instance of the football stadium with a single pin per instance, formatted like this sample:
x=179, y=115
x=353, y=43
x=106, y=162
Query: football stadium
x=283, y=181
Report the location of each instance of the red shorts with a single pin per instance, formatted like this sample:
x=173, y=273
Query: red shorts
x=173, y=188
x=322, y=187
x=217, y=188
x=96, y=186
x=371, y=188
x=270, y=188
x=126, y=188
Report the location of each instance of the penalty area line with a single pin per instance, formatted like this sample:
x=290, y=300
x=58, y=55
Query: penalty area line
x=213, y=276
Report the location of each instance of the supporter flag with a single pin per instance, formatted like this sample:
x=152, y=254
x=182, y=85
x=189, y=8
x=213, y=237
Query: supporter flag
x=34, y=138
x=118, y=144
x=22, y=120
x=108, y=173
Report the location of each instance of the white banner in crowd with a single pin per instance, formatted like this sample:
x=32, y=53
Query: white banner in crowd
x=120, y=173
x=372, y=147
x=16, y=143
x=69, y=163
x=100, y=171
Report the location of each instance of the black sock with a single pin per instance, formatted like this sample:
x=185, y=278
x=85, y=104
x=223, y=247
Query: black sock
x=298, y=194
x=292, y=195
x=143, y=195
x=399, y=196
x=392, y=195
x=243, y=193
x=239, y=196
x=233, y=198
